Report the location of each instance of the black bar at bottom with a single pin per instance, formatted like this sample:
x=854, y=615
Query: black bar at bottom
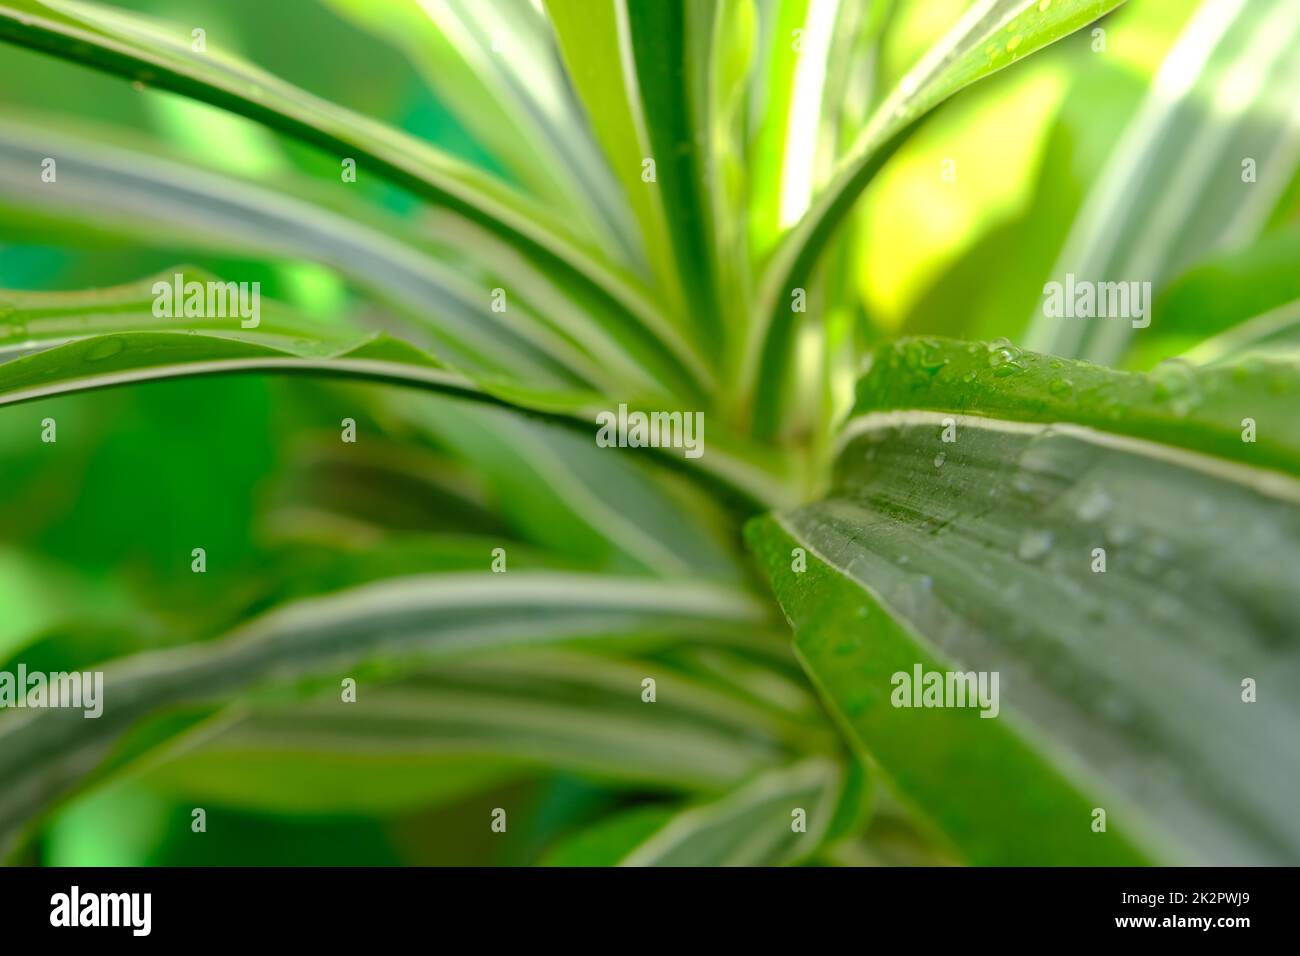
x=332, y=906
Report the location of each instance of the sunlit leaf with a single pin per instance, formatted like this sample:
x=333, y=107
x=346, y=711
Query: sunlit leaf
x=1201, y=166
x=990, y=36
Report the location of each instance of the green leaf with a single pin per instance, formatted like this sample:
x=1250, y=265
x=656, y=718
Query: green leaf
x=497, y=67
x=775, y=86
x=591, y=37
x=66, y=342
x=71, y=341
x=579, y=713
x=557, y=487
x=160, y=55
x=1273, y=335
x=1176, y=186
x=1228, y=306
x=1120, y=689
x=109, y=360
x=670, y=45
x=379, y=626
x=552, y=332
x=327, y=780
x=990, y=36
x=35, y=321
x=606, y=842
x=754, y=825
x=1200, y=410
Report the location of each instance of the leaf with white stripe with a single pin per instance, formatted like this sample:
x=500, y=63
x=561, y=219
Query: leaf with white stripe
x=58, y=342
x=753, y=825
x=45, y=753
x=436, y=276
x=1109, y=546
x=497, y=68
x=577, y=713
x=157, y=53
x=991, y=35
x=1201, y=167
x=1273, y=335
x=1229, y=306
x=594, y=41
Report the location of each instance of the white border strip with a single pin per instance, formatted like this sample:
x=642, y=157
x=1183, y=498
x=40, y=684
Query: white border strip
x=1265, y=481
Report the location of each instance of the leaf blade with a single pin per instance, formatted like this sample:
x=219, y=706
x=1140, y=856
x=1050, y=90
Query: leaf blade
x=1118, y=685
x=46, y=752
x=953, y=63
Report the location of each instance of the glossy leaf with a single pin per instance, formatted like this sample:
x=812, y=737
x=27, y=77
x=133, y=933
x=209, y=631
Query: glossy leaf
x=990, y=36
x=1109, y=546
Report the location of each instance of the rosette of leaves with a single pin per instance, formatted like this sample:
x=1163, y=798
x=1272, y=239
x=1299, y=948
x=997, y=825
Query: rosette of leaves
x=658, y=210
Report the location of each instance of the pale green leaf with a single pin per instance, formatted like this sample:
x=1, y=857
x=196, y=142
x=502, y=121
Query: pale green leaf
x=990, y=36
x=1177, y=186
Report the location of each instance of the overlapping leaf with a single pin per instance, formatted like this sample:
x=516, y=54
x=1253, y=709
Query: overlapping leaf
x=1201, y=166
x=161, y=56
x=757, y=824
x=1120, y=548
x=44, y=753
x=990, y=36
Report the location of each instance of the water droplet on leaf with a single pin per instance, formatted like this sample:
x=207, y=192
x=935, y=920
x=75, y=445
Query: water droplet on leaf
x=1034, y=545
x=104, y=348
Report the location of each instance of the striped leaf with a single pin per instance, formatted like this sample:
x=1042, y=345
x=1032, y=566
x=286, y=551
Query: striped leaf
x=1177, y=187
x=578, y=713
x=1110, y=547
x=497, y=67
x=1229, y=306
x=593, y=40
x=160, y=55
x=45, y=753
x=757, y=824
x=58, y=343
x=990, y=36
x=440, y=284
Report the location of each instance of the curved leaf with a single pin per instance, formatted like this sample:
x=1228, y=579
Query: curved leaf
x=1109, y=546
x=157, y=55
x=1174, y=188
x=670, y=45
x=1228, y=305
x=496, y=66
x=754, y=825
x=552, y=332
x=591, y=37
x=1272, y=335
x=68, y=342
x=44, y=753
x=990, y=36
x=576, y=712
